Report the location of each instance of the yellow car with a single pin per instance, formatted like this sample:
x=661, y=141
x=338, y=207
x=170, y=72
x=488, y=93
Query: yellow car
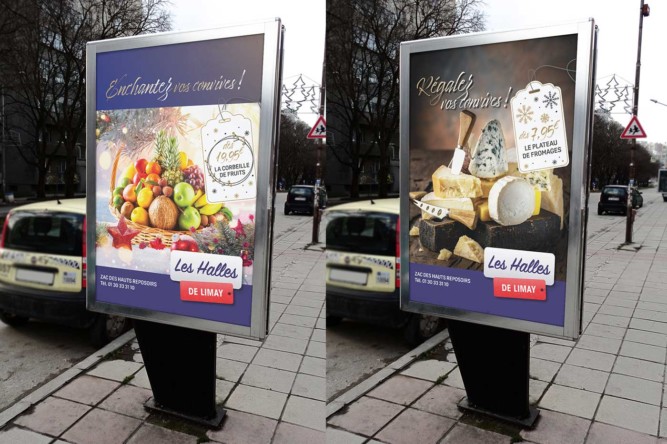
x=43, y=269
x=363, y=268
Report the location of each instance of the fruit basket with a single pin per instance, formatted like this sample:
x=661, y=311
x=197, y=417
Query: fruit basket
x=162, y=197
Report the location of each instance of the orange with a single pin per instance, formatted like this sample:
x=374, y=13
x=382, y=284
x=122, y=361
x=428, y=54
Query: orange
x=145, y=197
x=139, y=216
x=153, y=178
x=153, y=168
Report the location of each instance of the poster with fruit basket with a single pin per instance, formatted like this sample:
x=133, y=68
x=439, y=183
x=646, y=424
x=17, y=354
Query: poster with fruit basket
x=494, y=148
x=180, y=161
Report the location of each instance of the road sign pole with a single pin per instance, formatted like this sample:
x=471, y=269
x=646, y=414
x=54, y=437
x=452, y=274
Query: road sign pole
x=643, y=11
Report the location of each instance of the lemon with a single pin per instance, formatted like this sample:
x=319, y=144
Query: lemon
x=182, y=160
x=130, y=171
x=139, y=216
x=145, y=197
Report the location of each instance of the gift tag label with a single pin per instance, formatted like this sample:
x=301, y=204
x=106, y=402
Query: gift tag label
x=539, y=127
x=229, y=158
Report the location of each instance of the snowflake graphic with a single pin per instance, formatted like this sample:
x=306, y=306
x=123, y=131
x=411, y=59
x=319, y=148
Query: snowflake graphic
x=550, y=100
x=525, y=114
x=544, y=118
x=554, y=161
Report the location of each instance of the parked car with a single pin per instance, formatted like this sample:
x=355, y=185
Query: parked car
x=43, y=269
x=300, y=199
x=362, y=269
x=614, y=199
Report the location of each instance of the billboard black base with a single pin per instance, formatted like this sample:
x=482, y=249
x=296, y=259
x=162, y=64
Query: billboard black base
x=494, y=364
x=180, y=363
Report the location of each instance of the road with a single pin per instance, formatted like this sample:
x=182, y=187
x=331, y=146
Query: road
x=33, y=354
x=356, y=351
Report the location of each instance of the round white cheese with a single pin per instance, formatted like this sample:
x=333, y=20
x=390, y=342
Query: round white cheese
x=511, y=201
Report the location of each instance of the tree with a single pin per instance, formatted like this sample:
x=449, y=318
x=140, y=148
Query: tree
x=363, y=48
x=610, y=159
x=47, y=67
x=297, y=154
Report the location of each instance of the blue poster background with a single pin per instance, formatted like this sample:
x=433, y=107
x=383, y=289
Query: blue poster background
x=165, y=297
x=195, y=66
x=477, y=296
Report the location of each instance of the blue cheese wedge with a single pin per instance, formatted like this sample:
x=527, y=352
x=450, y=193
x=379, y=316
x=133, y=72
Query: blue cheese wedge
x=511, y=201
x=540, y=179
x=489, y=159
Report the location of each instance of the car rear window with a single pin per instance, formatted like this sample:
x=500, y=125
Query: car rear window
x=55, y=233
x=371, y=233
x=301, y=191
x=614, y=191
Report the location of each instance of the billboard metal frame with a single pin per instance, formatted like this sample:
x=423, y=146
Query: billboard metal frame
x=586, y=33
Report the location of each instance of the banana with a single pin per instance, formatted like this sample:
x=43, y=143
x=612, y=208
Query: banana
x=198, y=195
x=201, y=201
x=209, y=209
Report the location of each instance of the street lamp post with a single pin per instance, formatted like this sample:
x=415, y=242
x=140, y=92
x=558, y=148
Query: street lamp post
x=318, y=166
x=643, y=12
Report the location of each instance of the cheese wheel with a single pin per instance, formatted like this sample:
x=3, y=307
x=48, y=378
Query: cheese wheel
x=511, y=201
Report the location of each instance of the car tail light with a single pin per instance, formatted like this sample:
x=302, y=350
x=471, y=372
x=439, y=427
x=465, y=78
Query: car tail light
x=5, y=229
x=398, y=253
x=84, y=266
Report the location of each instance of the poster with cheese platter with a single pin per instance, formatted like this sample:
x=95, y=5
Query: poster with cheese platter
x=494, y=146
x=181, y=140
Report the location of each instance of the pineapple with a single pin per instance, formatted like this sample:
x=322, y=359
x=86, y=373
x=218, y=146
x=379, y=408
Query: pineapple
x=171, y=163
x=160, y=147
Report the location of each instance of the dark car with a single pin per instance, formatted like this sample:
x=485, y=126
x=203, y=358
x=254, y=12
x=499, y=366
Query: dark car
x=363, y=269
x=43, y=269
x=300, y=199
x=614, y=199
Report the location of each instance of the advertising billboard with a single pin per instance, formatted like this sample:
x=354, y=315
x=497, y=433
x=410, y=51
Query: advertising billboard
x=181, y=135
x=495, y=135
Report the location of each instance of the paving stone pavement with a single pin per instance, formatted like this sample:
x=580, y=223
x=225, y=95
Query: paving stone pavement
x=273, y=391
x=607, y=387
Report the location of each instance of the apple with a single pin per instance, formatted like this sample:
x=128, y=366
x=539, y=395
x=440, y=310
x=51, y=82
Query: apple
x=137, y=177
x=129, y=194
x=189, y=218
x=184, y=194
x=140, y=165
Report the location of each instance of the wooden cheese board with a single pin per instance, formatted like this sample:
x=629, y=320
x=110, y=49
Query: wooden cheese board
x=539, y=233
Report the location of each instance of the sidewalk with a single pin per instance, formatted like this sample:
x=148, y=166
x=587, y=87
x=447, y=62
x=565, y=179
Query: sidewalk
x=273, y=391
x=606, y=387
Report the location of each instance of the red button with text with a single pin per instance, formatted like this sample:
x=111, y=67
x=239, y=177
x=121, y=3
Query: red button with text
x=211, y=292
x=533, y=289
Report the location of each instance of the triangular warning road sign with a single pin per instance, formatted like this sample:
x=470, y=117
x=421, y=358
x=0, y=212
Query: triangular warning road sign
x=634, y=130
x=319, y=130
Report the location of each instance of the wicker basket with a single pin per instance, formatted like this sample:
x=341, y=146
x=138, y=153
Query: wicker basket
x=146, y=234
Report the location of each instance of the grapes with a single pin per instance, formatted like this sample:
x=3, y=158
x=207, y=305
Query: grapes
x=194, y=176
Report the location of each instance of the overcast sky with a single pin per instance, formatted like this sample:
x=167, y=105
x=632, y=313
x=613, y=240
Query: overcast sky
x=618, y=23
x=304, y=22
x=617, y=20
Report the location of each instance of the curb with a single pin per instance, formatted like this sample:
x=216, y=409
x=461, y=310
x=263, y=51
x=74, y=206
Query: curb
x=59, y=381
x=376, y=379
